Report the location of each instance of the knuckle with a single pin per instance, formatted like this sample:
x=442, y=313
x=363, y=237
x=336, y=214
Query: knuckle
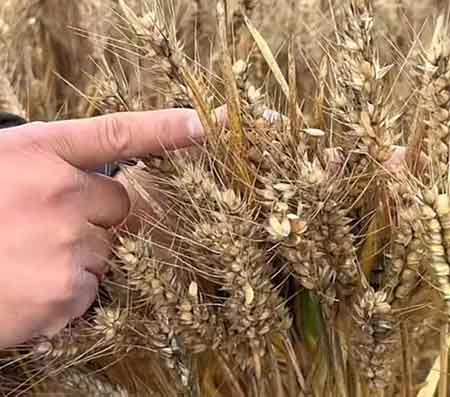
x=66, y=183
x=87, y=296
x=68, y=249
x=63, y=144
x=67, y=235
x=124, y=201
x=65, y=288
x=101, y=268
x=115, y=136
x=99, y=253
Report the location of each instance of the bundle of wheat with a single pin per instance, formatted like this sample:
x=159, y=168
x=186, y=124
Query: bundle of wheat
x=298, y=252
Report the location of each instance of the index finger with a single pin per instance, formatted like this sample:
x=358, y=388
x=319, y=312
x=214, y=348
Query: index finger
x=89, y=143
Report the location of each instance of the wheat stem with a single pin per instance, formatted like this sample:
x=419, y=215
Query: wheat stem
x=406, y=361
x=444, y=360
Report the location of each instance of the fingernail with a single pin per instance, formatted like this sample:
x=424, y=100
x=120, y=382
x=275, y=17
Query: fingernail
x=222, y=115
x=196, y=127
x=272, y=116
x=197, y=130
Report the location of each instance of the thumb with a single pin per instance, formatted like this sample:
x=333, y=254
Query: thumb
x=89, y=143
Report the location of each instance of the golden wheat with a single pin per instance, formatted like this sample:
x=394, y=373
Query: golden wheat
x=301, y=250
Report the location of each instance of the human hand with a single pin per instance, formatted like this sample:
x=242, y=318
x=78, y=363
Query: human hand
x=55, y=235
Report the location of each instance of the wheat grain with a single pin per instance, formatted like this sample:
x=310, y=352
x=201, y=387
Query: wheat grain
x=373, y=340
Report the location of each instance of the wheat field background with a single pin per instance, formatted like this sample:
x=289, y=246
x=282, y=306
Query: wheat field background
x=304, y=249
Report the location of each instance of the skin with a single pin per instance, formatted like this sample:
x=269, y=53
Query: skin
x=57, y=216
